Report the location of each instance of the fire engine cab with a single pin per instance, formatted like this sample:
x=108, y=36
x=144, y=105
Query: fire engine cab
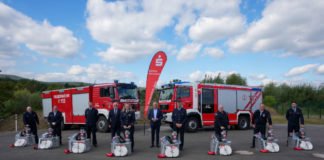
x=72, y=102
x=201, y=100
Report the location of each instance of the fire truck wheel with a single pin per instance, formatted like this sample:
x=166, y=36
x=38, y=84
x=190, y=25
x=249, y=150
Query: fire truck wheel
x=243, y=122
x=192, y=124
x=102, y=124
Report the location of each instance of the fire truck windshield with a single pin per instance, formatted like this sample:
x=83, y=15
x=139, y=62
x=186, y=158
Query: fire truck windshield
x=127, y=92
x=166, y=94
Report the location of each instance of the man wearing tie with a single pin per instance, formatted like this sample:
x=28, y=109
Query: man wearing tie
x=114, y=120
x=295, y=118
x=55, y=119
x=155, y=116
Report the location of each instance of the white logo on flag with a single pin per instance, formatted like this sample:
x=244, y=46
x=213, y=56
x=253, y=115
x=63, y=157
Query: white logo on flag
x=159, y=61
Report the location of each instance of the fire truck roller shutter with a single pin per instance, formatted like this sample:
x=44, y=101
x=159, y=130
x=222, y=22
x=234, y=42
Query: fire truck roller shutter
x=47, y=106
x=80, y=103
x=227, y=98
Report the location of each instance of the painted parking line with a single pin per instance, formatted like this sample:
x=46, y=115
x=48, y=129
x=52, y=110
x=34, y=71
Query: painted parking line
x=242, y=152
x=318, y=155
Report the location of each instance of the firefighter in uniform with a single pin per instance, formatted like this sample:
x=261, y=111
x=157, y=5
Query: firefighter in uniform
x=114, y=120
x=91, y=115
x=295, y=119
x=221, y=122
x=30, y=119
x=179, y=117
x=259, y=121
x=127, y=120
x=55, y=119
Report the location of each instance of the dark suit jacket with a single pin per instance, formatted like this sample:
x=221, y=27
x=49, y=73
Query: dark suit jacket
x=58, y=118
x=114, y=119
x=30, y=119
x=159, y=116
x=91, y=117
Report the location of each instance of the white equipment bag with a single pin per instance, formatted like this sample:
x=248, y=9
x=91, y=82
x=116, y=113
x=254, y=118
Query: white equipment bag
x=120, y=150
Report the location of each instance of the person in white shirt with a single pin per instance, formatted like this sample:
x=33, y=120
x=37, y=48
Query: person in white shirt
x=155, y=116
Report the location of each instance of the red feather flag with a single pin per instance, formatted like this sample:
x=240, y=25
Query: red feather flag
x=157, y=64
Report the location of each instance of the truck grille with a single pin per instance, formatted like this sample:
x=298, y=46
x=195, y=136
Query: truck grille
x=164, y=107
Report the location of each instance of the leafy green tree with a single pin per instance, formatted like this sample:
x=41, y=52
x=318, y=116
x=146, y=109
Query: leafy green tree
x=269, y=101
x=236, y=79
x=216, y=79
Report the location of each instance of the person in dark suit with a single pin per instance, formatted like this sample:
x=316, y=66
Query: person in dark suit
x=259, y=121
x=295, y=118
x=155, y=116
x=179, y=118
x=31, y=120
x=127, y=120
x=114, y=120
x=55, y=119
x=221, y=122
x=91, y=115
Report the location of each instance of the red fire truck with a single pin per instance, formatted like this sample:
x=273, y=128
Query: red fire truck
x=72, y=102
x=201, y=100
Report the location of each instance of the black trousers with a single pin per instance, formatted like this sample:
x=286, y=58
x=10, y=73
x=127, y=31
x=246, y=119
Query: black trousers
x=155, y=133
x=257, y=129
x=57, y=131
x=115, y=130
x=180, y=131
x=92, y=129
x=131, y=136
x=293, y=128
x=33, y=130
x=218, y=134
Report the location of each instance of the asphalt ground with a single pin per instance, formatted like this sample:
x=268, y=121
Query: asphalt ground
x=195, y=147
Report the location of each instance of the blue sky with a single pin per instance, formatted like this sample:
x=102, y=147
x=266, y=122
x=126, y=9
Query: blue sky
x=100, y=41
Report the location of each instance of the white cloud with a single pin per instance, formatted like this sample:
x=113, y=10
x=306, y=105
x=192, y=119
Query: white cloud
x=100, y=72
x=290, y=27
x=320, y=69
x=76, y=70
x=130, y=28
x=186, y=18
x=214, y=52
x=196, y=76
x=295, y=71
x=267, y=81
x=210, y=29
x=189, y=51
x=126, y=52
x=16, y=29
x=258, y=77
x=92, y=73
x=5, y=63
x=199, y=75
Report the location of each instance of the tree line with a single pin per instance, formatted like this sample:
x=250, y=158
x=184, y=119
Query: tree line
x=15, y=95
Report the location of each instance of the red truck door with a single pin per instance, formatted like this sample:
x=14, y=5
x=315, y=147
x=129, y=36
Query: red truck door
x=106, y=95
x=208, y=105
x=184, y=94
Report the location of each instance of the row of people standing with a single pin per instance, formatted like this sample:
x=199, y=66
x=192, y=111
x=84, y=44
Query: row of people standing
x=121, y=120
x=118, y=121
